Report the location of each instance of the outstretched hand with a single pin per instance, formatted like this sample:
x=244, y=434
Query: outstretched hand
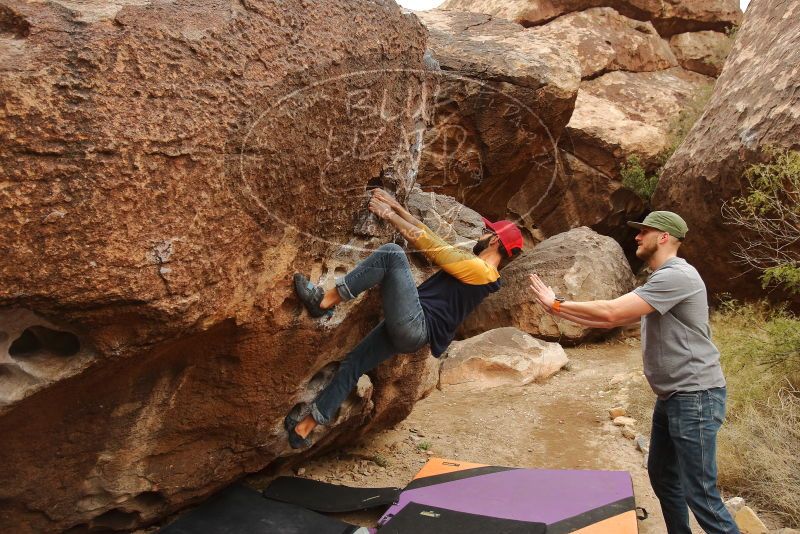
x=380, y=208
x=543, y=293
x=386, y=198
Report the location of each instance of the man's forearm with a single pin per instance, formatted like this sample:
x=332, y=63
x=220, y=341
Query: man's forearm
x=599, y=311
x=407, y=229
x=580, y=320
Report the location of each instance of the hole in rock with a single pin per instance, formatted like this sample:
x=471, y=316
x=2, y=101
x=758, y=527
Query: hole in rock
x=116, y=519
x=11, y=23
x=150, y=499
x=39, y=338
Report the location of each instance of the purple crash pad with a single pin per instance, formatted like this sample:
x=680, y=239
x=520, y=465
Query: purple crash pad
x=535, y=495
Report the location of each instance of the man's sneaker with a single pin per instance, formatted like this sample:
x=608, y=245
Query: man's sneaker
x=310, y=295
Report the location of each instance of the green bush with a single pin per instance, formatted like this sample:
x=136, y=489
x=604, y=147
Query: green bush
x=769, y=212
x=634, y=177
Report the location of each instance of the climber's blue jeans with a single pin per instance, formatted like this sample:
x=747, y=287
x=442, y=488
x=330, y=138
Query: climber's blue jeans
x=683, y=461
x=403, y=329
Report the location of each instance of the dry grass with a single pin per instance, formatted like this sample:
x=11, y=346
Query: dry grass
x=758, y=443
x=758, y=455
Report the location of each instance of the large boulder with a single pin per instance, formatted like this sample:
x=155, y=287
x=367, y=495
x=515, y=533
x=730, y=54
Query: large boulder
x=669, y=17
x=605, y=41
x=702, y=52
x=502, y=100
x=579, y=264
x=500, y=357
x=617, y=115
x=166, y=168
x=754, y=108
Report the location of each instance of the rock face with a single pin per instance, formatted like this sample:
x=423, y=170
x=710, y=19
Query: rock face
x=605, y=41
x=451, y=220
x=632, y=91
x=668, y=17
x=500, y=357
x=617, y=115
x=702, y=52
x=755, y=105
x=579, y=264
x=502, y=100
x=166, y=168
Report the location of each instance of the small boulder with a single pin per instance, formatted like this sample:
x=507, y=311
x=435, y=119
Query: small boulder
x=734, y=504
x=500, y=357
x=748, y=522
x=702, y=52
x=628, y=433
x=580, y=265
x=617, y=411
x=624, y=421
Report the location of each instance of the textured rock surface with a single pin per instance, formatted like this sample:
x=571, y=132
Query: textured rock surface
x=667, y=16
x=503, y=99
x=702, y=52
x=579, y=264
x=755, y=105
x=166, y=167
x=500, y=357
x=451, y=220
x=604, y=41
x=632, y=92
x=617, y=115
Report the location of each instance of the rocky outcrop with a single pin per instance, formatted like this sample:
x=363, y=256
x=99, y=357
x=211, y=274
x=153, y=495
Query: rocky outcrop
x=668, y=17
x=500, y=357
x=166, y=168
x=618, y=115
x=605, y=41
x=448, y=218
x=579, y=264
x=754, y=106
x=632, y=94
x=702, y=52
x=501, y=102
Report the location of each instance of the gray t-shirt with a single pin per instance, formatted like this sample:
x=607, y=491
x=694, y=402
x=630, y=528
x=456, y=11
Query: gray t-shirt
x=676, y=338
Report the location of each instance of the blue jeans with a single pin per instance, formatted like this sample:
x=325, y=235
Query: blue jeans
x=683, y=461
x=402, y=330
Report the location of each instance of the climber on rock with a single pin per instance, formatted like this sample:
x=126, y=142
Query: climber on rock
x=413, y=316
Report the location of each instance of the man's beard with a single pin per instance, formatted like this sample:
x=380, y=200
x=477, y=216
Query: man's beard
x=481, y=245
x=644, y=253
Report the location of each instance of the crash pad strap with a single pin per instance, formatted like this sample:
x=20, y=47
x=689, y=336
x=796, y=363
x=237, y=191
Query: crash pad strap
x=329, y=498
x=595, y=516
x=455, y=475
x=244, y=511
x=424, y=519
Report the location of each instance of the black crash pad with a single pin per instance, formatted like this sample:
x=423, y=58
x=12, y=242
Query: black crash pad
x=241, y=510
x=329, y=498
x=422, y=519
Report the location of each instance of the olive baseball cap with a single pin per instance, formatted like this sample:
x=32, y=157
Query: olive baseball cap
x=666, y=221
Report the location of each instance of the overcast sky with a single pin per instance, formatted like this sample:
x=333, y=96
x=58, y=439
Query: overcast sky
x=428, y=4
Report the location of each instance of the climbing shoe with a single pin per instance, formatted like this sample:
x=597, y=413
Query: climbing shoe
x=295, y=441
x=310, y=295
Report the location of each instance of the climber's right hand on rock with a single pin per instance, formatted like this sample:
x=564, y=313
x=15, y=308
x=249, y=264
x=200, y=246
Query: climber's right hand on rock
x=380, y=208
x=386, y=198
